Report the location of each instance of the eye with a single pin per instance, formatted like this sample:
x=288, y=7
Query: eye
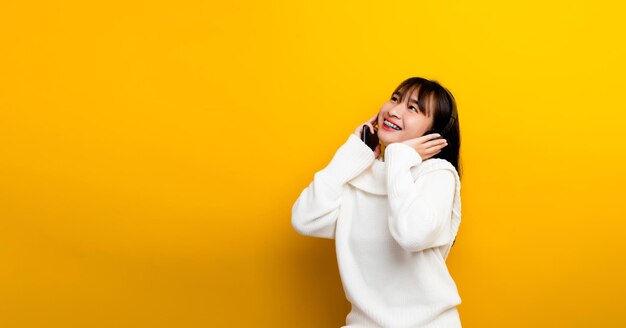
x=394, y=98
x=413, y=108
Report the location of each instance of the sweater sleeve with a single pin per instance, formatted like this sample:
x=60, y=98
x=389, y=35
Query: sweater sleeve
x=421, y=210
x=315, y=211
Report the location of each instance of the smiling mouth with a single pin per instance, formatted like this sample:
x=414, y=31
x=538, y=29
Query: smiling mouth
x=391, y=125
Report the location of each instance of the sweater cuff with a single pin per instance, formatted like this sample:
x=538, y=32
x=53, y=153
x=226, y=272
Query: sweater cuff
x=352, y=158
x=402, y=154
x=399, y=158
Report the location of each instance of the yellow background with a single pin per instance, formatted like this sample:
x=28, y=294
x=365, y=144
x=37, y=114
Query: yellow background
x=151, y=153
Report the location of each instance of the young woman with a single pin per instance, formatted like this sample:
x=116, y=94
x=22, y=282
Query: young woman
x=394, y=212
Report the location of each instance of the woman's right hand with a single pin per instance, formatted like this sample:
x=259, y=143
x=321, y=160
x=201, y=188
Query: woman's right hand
x=370, y=123
x=427, y=146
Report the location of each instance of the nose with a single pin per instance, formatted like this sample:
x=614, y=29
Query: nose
x=392, y=112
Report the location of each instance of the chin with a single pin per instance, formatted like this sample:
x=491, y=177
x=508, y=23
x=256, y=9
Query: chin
x=385, y=140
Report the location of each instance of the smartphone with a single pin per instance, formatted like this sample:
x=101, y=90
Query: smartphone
x=370, y=139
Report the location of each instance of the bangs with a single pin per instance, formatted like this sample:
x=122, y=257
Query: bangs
x=424, y=93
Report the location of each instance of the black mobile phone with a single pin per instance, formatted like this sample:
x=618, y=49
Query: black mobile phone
x=370, y=139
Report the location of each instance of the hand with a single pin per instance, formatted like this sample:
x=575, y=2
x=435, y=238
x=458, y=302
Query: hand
x=370, y=123
x=426, y=147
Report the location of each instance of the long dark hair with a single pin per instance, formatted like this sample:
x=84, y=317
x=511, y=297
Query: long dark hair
x=443, y=104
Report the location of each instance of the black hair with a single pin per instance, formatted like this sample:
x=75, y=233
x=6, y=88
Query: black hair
x=434, y=99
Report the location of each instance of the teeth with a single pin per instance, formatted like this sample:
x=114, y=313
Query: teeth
x=393, y=126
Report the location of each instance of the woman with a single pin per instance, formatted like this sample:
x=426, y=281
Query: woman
x=394, y=212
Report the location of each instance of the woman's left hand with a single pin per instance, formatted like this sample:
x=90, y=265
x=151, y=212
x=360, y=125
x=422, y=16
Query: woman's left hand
x=426, y=147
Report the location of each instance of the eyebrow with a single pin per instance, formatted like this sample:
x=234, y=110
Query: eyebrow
x=410, y=100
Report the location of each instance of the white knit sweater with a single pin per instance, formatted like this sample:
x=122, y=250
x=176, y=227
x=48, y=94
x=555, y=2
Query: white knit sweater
x=393, y=223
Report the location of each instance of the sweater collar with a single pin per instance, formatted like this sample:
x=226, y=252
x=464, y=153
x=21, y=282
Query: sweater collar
x=374, y=178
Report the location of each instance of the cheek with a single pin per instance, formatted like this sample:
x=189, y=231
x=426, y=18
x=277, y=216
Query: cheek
x=381, y=115
x=416, y=128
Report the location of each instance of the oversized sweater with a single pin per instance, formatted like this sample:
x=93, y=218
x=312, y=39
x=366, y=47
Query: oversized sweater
x=393, y=223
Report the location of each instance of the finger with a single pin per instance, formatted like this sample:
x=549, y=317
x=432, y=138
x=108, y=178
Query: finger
x=432, y=154
x=436, y=142
x=431, y=136
x=434, y=149
x=428, y=137
x=359, y=130
x=371, y=127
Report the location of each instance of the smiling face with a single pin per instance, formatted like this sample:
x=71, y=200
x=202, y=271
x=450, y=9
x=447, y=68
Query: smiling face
x=410, y=119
